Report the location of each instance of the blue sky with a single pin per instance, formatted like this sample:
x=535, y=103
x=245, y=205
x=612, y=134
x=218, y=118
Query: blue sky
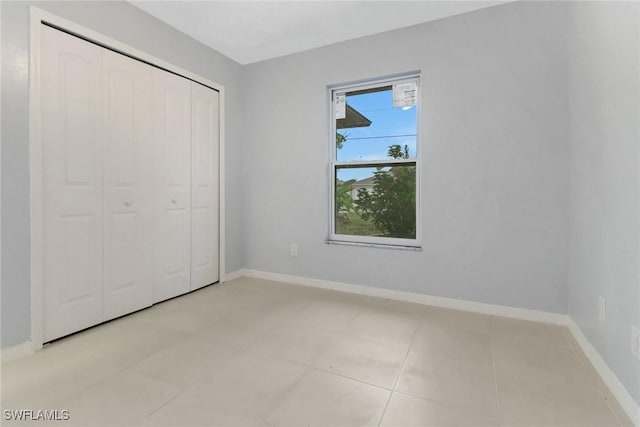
x=388, y=126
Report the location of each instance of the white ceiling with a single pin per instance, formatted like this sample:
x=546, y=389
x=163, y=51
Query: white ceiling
x=251, y=31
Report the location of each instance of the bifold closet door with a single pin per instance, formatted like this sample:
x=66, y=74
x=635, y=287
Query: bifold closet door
x=72, y=183
x=172, y=210
x=205, y=145
x=128, y=184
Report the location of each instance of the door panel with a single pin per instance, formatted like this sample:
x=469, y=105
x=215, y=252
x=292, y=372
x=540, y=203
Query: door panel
x=128, y=184
x=175, y=223
x=202, y=256
x=72, y=183
x=77, y=231
x=172, y=208
x=205, y=186
x=121, y=255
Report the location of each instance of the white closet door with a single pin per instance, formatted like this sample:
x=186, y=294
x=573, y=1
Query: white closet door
x=72, y=183
x=128, y=184
x=172, y=145
x=205, y=143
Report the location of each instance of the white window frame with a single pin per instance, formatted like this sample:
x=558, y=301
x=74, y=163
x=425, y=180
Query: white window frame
x=387, y=242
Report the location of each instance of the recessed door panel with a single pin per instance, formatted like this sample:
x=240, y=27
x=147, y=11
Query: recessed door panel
x=172, y=207
x=202, y=255
x=78, y=83
x=128, y=188
x=205, y=186
x=176, y=255
x=72, y=183
x=177, y=149
x=81, y=254
x=124, y=111
x=123, y=244
x=130, y=184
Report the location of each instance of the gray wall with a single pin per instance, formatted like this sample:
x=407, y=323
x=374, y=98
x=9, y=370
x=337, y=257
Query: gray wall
x=604, y=75
x=494, y=153
x=125, y=23
x=530, y=130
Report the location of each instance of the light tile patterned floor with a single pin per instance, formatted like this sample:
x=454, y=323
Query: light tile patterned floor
x=258, y=353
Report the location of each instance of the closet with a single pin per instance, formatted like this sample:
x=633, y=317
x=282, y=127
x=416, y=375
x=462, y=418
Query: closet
x=130, y=188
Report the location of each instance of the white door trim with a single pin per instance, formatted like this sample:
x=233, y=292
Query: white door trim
x=37, y=17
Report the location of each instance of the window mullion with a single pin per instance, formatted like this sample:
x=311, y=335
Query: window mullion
x=384, y=178
x=375, y=163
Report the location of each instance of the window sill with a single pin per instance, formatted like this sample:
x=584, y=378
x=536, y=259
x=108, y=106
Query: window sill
x=375, y=245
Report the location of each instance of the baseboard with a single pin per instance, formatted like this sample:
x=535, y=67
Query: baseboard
x=233, y=275
x=456, y=304
x=607, y=375
x=619, y=391
x=14, y=352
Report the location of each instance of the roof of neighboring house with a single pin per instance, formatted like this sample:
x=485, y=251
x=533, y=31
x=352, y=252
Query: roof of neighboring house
x=353, y=119
x=366, y=181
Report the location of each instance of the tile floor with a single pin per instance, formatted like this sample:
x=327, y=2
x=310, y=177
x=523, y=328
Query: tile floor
x=258, y=353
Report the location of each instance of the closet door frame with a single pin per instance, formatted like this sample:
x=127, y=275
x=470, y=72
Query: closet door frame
x=37, y=19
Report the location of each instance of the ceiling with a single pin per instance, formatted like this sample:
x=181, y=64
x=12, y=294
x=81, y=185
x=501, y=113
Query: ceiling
x=251, y=31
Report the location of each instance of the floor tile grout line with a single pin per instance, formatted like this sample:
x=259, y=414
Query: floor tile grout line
x=337, y=374
x=584, y=363
x=524, y=340
x=447, y=405
x=404, y=364
x=495, y=378
x=163, y=405
x=615, y=416
x=273, y=410
x=118, y=369
x=311, y=365
x=115, y=374
x=591, y=372
x=578, y=353
x=572, y=346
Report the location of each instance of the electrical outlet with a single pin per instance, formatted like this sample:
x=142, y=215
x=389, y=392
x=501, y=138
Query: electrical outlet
x=294, y=249
x=602, y=309
x=635, y=341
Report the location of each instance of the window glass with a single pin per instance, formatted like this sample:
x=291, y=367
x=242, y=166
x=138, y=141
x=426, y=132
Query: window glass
x=372, y=124
x=378, y=202
x=374, y=179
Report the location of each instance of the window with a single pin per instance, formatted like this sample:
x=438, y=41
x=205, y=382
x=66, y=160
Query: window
x=374, y=163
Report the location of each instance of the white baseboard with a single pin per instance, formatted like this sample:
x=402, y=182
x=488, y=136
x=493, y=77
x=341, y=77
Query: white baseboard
x=607, y=375
x=233, y=275
x=456, y=304
x=616, y=387
x=14, y=352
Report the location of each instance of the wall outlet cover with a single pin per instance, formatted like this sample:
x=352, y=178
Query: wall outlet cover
x=635, y=341
x=602, y=309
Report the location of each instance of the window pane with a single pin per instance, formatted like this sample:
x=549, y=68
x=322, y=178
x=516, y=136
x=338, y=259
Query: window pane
x=372, y=125
x=379, y=202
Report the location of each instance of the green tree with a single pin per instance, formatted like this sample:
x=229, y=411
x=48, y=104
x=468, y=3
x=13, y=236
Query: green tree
x=344, y=202
x=392, y=203
x=340, y=139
